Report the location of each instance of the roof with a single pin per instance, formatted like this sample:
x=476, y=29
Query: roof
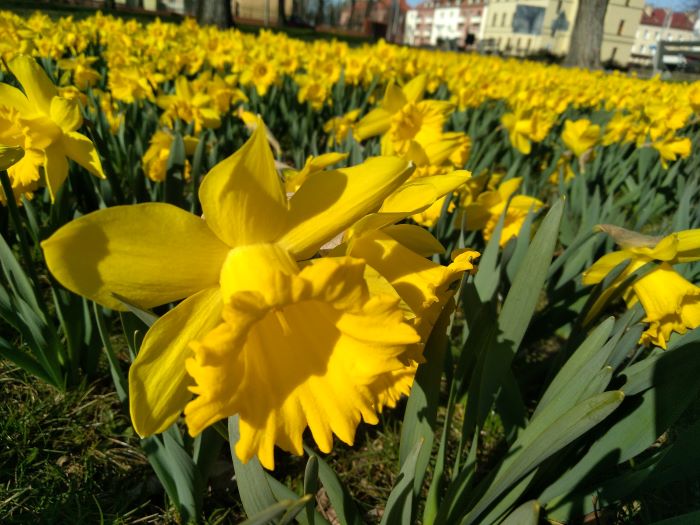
x=658, y=17
x=681, y=21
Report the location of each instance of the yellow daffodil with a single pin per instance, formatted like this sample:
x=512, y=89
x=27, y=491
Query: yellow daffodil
x=580, y=135
x=295, y=349
x=44, y=125
x=155, y=159
x=146, y=253
x=404, y=113
x=671, y=147
x=189, y=106
x=338, y=128
x=484, y=213
x=671, y=303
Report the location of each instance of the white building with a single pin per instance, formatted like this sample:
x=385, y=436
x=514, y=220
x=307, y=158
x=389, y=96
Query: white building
x=435, y=21
x=660, y=24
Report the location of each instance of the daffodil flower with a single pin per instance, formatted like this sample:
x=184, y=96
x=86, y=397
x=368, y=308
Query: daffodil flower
x=484, y=213
x=580, y=135
x=671, y=303
x=45, y=127
x=404, y=116
x=239, y=263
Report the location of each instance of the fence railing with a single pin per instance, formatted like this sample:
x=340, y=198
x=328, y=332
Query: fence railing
x=684, y=52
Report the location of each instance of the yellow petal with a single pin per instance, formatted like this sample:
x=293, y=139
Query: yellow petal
x=415, y=88
x=55, y=168
x=35, y=83
x=326, y=205
x=507, y=188
x=422, y=284
x=80, y=149
x=418, y=194
x=373, y=221
x=14, y=98
x=415, y=238
x=662, y=290
x=242, y=198
x=158, y=380
x=604, y=266
x=255, y=267
x=66, y=113
x=688, y=248
x=150, y=254
x=374, y=123
x=394, y=98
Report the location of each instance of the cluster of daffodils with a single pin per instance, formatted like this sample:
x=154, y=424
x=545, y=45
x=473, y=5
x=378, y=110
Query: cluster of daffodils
x=305, y=293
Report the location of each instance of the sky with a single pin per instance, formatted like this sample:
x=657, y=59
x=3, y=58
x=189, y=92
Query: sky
x=678, y=5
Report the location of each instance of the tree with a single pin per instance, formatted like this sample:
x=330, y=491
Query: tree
x=214, y=13
x=320, y=13
x=587, y=35
x=351, y=20
x=368, y=11
x=281, y=14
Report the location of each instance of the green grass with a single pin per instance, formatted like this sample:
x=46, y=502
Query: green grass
x=71, y=457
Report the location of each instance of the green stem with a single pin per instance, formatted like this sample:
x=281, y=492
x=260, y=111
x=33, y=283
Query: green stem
x=19, y=230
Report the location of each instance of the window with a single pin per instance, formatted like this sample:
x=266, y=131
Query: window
x=503, y=20
x=495, y=17
x=559, y=5
x=646, y=35
x=614, y=52
x=620, y=27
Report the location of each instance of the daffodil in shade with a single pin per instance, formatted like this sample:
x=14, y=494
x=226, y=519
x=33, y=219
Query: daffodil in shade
x=483, y=214
x=44, y=124
x=152, y=254
x=155, y=159
x=671, y=303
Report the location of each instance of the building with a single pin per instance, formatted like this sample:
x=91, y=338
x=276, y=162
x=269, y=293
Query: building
x=375, y=18
x=527, y=26
x=660, y=24
x=436, y=21
x=263, y=12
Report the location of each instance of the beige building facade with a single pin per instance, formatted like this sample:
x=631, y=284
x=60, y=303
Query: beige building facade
x=521, y=27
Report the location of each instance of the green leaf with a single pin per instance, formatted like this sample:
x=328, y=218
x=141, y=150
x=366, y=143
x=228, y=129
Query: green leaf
x=526, y=514
x=311, y=484
x=338, y=494
x=522, y=298
x=534, y=446
x=691, y=518
x=282, y=492
x=673, y=387
x=587, y=360
x=253, y=487
x=421, y=409
x=399, y=506
x=282, y=508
